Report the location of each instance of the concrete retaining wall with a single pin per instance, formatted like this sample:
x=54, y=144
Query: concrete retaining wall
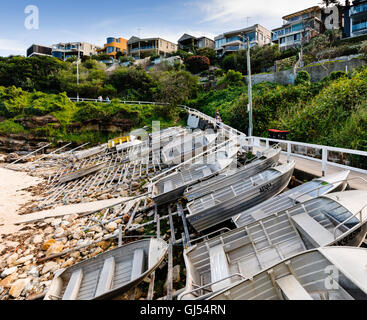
x=317, y=72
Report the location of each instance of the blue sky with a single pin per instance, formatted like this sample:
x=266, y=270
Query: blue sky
x=93, y=21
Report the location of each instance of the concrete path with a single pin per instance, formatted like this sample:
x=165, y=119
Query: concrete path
x=315, y=168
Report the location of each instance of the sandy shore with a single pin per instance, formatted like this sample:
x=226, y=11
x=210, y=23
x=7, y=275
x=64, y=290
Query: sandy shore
x=12, y=198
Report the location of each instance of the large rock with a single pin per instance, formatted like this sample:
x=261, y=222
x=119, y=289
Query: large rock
x=6, y=283
x=11, y=157
x=17, y=288
x=56, y=247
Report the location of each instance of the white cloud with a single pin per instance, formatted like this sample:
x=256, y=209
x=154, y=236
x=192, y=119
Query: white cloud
x=12, y=47
x=261, y=11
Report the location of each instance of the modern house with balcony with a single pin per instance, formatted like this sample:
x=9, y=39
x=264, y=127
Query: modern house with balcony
x=355, y=19
x=298, y=27
x=114, y=46
x=232, y=41
x=141, y=48
x=64, y=51
x=190, y=43
x=38, y=50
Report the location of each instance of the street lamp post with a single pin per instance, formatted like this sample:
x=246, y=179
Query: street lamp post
x=250, y=129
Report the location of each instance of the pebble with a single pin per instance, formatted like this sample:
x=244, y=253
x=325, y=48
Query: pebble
x=8, y=280
x=48, y=244
x=112, y=226
x=24, y=259
x=49, y=267
x=34, y=272
x=56, y=247
x=11, y=260
x=48, y=230
x=8, y=272
x=56, y=222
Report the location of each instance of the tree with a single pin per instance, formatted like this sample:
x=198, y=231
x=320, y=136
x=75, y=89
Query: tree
x=210, y=53
x=196, y=64
x=132, y=83
x=175, y=87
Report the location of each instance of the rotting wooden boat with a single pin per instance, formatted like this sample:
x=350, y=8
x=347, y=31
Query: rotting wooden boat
x=224, y=203
x=337, y=219
x=286, y=200
x=109, y=274
x=329, y=273
x=261, y=162
x=186, y=147
x=172, y=187
x=82, y=172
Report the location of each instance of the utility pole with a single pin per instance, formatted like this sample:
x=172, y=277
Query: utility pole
x=250, y=129
x=77, y=74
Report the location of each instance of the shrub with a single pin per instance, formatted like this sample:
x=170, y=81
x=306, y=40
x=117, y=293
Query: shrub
x=231, y=78
x=337, y=74
x=302, y=78
x=196, y=64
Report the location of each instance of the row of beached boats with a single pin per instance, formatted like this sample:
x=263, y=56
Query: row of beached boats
x=295, y=245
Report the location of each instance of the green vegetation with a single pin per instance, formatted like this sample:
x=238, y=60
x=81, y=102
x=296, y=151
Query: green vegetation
x=331, y=112
x=55, y=117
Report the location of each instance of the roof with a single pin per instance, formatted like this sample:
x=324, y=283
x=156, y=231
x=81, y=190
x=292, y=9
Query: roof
x=351, y=261
x=186, y=37
x=308, y=10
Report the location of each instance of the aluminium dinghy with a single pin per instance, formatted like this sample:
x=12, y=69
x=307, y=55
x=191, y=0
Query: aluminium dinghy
x=187, y=147
x=286, y=200
x=337, y=219
x=171, y=187
x=224, y=203
x=109, y=274
x=330, y=273
x=261, y=162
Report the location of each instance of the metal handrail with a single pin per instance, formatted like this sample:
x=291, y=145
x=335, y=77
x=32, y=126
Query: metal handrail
x=53, y=152
x=210, y=284
x=319, y=187
x=350, y=218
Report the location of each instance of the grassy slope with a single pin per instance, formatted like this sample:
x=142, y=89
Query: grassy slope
x=17, y=104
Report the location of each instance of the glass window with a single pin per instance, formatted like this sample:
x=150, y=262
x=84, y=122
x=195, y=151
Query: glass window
x=109, y=40
x=297, y=27
x=110, y=49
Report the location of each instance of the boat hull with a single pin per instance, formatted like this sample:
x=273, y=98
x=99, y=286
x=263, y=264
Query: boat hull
x=226, y=210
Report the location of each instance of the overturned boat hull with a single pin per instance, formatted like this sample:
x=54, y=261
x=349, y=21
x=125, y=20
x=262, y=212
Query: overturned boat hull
x=267, y=159
x=221, y=205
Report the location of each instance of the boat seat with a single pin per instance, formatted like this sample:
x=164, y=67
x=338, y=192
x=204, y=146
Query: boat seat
x=206, y=172
x=219, y=268
x=300, y=199
x=73, y=287
x=168, y=186
x=236, y=244
x=315, y=232
x=106, y=277
x=138, y=264
x=292, y=289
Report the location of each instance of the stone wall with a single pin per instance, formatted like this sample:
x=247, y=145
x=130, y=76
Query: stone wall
x=316, y=71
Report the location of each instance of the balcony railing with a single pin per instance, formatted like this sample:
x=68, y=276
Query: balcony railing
x=143, y=48
x=358, y=9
